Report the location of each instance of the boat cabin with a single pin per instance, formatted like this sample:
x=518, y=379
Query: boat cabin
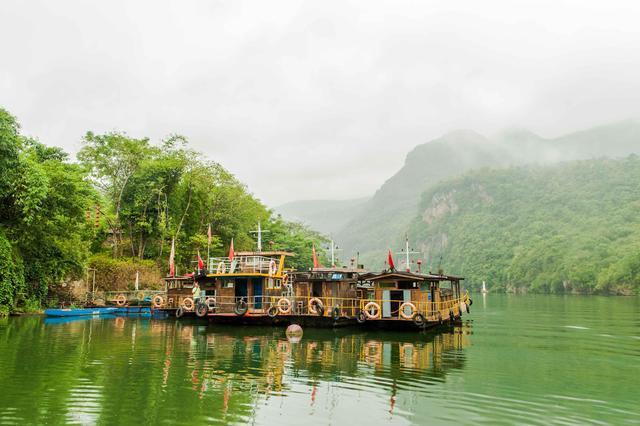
x=331, y=291
x=246, y=283
x=411, y=297
x=179, y=294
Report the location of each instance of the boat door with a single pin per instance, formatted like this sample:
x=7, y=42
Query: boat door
x=241, y=289
x=257, y=293
x=392, y=299
x=407, y=299
x=386, y=304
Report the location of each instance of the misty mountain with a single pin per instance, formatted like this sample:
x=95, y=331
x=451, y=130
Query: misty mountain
x=565, y=227
x=326, y=216
x=382, y=220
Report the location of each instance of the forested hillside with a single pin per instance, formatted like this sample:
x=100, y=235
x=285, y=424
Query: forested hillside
x=119, y=208
x=568, y=227
x=384, y=219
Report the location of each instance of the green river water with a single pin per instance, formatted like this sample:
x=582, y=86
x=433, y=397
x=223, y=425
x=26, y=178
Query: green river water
x=517, y=359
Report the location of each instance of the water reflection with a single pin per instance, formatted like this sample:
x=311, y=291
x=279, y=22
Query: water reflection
x=530, y=360
x=127, y=369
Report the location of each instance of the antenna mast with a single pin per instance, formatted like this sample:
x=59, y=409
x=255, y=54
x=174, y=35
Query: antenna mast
x=259, y=233
x=406, y=252
x=334, y=249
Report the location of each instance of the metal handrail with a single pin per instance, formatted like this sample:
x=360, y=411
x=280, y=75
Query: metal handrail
x=347, y=307
x=242, y=264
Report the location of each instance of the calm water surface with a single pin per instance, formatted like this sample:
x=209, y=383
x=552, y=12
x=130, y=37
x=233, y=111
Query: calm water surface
x=517, y=359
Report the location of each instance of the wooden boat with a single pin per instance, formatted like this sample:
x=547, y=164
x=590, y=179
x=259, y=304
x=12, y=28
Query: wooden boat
x=76, y=312
x=246, y=287
x=324, y=297
x=177, y=299
x=411, y=300
x=257, y=288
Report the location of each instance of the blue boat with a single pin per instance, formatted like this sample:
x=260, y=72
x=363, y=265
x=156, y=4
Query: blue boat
x=79, y=312
x=133, y=310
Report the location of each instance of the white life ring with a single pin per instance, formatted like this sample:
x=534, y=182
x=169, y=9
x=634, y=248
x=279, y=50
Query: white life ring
x=286, y=302
x=376, y=310
x=187, y=303
x=210, y=302
x=222, y=268
x=273, y=268
x=157, y=301
x=313, y=302
x=403, y=314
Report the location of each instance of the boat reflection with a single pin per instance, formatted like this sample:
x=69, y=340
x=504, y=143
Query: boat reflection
x=224, y=357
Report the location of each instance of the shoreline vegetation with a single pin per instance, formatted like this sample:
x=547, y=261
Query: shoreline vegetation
x=117, y=210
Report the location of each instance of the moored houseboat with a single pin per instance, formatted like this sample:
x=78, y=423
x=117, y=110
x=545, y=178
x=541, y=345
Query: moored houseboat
x=242, y=288
x=177, y=299
x=325, y=297
x=406, y=299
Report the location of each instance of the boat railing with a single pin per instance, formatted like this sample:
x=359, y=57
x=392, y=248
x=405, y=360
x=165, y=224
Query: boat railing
x=131, y=295
x=243, y=265
x=337, y=307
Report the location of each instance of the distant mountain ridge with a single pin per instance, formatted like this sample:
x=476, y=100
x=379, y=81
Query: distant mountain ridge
x=566, y=227
x=381, y=221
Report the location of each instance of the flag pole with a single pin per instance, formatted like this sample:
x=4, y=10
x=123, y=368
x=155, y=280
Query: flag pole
x=209, y=247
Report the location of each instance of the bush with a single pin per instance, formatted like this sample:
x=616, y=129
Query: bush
x=120, y=274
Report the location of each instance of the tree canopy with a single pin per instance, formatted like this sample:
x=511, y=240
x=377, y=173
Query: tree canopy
x=126, y=198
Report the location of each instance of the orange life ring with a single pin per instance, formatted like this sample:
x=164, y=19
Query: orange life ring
x=313, y=302
x=285, y=277
x=187, y=303
x=408, y=305
x=287, y=302
x=121, y=299
x=157, y=301
x=367, y=309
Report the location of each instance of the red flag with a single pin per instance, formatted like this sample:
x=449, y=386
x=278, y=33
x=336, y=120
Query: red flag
x=390, y=260
x=209, y=235
x=200, y=261
x=314, y=255
x=231, y=252
x=172, y=255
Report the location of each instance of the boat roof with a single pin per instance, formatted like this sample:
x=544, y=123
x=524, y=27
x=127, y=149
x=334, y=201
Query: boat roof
x=339, y=269
x=407, y=276
x=189, y=277
x=265, y=253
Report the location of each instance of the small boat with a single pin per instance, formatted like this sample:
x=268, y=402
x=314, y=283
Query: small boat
x=78, y=312
x=133, y=311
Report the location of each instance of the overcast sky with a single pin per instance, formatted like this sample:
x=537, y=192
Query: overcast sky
x=321, y=99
